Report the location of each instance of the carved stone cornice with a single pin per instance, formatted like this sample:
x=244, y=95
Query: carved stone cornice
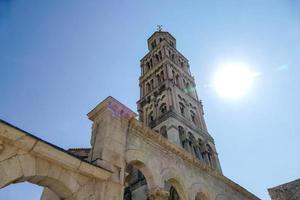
x=158, y=194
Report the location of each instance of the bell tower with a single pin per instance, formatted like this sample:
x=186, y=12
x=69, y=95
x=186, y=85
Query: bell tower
x=169, y=103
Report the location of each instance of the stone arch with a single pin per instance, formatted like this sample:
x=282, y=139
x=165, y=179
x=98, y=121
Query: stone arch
x=172, y=177
x=151, y=117
x=201, y=196
x=25, y=167
x=163, y=108
x=139, y=160
x=200, y=191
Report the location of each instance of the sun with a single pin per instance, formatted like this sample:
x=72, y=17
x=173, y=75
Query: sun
x=233, y=80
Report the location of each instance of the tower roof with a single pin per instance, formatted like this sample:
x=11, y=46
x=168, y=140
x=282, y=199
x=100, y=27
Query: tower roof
x=160, y=33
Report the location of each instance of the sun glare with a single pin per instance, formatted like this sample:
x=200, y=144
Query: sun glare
x=233, y=80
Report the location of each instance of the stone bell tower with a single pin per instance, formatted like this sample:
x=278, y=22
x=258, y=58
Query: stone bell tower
x=169, y=102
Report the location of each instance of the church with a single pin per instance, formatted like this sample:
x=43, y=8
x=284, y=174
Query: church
x=165, y=152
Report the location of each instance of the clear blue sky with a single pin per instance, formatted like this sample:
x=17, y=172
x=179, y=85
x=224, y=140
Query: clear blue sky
x=58, y=59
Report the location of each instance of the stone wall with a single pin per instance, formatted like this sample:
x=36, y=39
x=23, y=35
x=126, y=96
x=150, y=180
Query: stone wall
x=24, y=157
x=164, y=162
x=118, y=140
x=287, y=191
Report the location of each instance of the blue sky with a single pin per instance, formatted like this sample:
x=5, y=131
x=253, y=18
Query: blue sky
x=58, y=59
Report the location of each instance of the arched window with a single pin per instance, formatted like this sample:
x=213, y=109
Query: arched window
x=182, y=137
x=201, y=148
x=158, y=78
x=163, y=131
x=191, y=137
x=152, y=84
x=171, y=43
x=173, y=76
x=163, y=108
x=187, y=86
x=193, y=116
x=192, y=143
x=127, y=194
x=210, y=155
x=151, y=117
x=153, y=44
x=151, y=63
x=148, y=66
x=148, y=87
x=173, y=195
x=177, y=80
x=160, y=55
x=162, y=76
x=181, y=108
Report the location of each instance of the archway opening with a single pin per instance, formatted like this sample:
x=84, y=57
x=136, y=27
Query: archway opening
x=173, y=195
x=54, y=188
x=201, y=196
x=175, y=190
x=17, y=191
x=136, y=187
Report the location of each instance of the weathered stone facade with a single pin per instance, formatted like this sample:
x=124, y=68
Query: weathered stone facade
x=24, y=157
x=287, y=191
x=171, y=163
x=169, y=102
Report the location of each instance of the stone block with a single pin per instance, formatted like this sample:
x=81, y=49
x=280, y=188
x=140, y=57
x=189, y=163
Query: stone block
x=10, y=171
x=93, y=171
x=49, y=195
x=66, y=177
x=114, y=157
x=61, y=190
x=28, y=165
x=86, y=192
x=81, y=179
x=55, y=155
x=8, y=151
x=10, y=133
x=54, y=171
x=25, y=143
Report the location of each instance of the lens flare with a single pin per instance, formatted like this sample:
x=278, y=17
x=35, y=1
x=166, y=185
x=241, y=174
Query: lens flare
x=233, y=80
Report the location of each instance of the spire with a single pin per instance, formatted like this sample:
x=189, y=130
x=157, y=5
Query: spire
x=159, y=28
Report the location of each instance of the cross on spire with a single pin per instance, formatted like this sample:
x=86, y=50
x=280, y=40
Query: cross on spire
x=159, y=27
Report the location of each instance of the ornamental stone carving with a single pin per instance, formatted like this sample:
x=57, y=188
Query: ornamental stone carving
x=158, y=194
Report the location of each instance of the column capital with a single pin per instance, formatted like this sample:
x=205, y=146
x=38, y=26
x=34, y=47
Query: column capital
x=158, y=194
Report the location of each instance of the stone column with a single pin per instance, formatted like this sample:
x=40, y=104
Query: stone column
x=198, y=152
x=205, y=156
x=158, y=194
x=110, y=122
x=217, y=163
